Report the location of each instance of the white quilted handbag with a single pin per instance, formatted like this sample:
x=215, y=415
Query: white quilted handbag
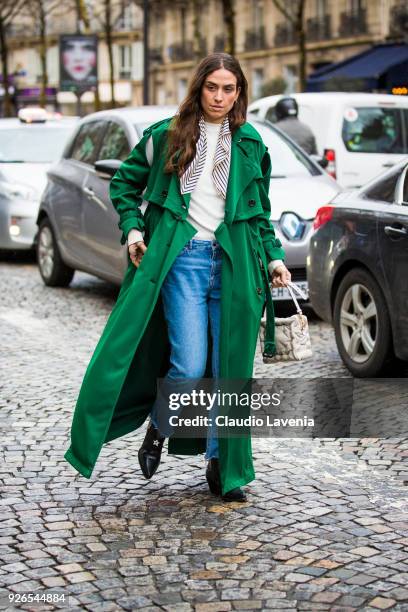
x=292, y=337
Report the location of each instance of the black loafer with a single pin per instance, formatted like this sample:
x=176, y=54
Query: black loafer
x=235, y=495
x=212, y=475
x=149, y=454
x=214, y=483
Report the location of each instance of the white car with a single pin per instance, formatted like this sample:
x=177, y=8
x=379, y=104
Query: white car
x=298, y=188
x=360, y=134
x=28, y=146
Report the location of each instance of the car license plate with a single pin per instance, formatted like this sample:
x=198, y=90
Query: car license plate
x=281, y=293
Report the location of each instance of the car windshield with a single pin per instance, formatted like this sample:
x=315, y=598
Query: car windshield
x=373, y=130
x=33, y=143
x=287, y=160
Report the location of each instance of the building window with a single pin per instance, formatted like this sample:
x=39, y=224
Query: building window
x=257, y=14
x=356, y=6
x=125, y=61
x=181, y=89
x=257, y=82
x=321, y=9
x=290, y=75
x=318, y=27
x=126, y=18
x=160, y=94
x=255, y=36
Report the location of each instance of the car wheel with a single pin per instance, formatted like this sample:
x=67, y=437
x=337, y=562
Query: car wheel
x=362, y=324
x=54, y=272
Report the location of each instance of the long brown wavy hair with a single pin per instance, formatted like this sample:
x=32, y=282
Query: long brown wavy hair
x=184, y=130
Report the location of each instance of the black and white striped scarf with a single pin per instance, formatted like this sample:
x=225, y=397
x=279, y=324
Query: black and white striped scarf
x=220, y=172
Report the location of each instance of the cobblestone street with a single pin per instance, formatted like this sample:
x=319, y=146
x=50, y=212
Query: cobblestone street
x=325, y=526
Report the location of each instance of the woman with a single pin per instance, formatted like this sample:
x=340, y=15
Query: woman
x=78, y=58
x=206, y=173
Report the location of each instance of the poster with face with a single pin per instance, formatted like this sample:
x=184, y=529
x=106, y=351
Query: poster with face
x=78, y=62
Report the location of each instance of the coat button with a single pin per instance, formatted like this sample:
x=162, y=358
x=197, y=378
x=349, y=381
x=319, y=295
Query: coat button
x=259, y=290
x=251, y=202
x=164, y=192
x=183, y=206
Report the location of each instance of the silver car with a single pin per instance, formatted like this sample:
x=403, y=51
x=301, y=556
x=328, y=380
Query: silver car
x=78, y=226
x=27, y=150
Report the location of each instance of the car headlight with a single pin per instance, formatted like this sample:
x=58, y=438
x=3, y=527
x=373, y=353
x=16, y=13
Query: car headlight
x=292, y=226
x=17, y=191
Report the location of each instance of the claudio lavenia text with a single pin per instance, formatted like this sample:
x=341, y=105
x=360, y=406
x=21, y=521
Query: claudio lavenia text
x=249, y=421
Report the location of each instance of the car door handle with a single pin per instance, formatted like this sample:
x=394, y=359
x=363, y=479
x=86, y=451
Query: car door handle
x=89, y=192
x=392, y=231
x=388, y=165
x=92, y=196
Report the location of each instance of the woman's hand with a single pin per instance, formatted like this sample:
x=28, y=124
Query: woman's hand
x=136, y=252
x=281, y=276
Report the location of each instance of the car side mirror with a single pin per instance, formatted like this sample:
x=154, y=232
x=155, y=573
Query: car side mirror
x=106, y=168
x=322, y=161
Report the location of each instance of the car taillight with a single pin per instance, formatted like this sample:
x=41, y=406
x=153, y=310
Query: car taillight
x=330, y=155
x=323, y=215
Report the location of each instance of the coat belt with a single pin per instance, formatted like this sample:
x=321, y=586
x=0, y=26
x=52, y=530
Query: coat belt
x=270, y=345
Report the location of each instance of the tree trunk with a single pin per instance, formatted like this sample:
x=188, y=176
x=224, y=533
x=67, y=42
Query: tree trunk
x=108, y=34
x=83, y=27
x=43, y=54
x=196, y=30
x=7, y=104
x=97, y=100
x=228, y=15
x=296, y=17
x=300, y=22
x=83, y=24
x=302, y=60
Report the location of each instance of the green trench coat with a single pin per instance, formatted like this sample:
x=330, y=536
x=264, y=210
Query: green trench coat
x=120, y=383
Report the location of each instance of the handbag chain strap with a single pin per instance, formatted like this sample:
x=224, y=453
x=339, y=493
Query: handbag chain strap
x=291, y=287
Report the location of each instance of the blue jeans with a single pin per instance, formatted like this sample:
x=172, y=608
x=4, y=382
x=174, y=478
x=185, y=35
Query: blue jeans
x=191, y=295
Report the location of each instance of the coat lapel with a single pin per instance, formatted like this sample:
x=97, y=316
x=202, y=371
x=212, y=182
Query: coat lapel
x=242, y=171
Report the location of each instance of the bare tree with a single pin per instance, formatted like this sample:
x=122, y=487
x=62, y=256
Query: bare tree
x=196, y=5
x=9, y=9
x=107, y=18
x=295, y=15
x=39, y=11
x=108, y=38
x=228, y=13
x=83, y=26
x=82, y=17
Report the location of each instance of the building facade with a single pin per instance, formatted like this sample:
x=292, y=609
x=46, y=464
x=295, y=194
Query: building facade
x=183, y=31
x=266, y=42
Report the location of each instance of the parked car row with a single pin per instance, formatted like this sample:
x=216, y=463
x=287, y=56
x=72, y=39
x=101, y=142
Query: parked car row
x=348, y=249
x=29, y=145
x=78, y=227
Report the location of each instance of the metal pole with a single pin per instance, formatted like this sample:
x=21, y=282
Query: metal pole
x=78, y=94
x=145, y=52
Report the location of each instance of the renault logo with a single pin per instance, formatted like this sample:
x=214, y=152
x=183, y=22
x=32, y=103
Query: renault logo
x=292, y=226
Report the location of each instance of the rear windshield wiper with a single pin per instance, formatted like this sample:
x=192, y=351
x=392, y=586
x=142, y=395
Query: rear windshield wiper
x=11, y=161
x=278, y=176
